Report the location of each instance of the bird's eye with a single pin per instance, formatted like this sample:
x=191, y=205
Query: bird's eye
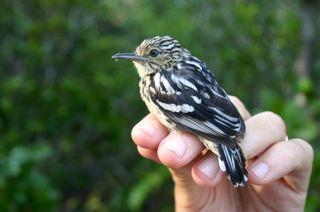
x=154, y=53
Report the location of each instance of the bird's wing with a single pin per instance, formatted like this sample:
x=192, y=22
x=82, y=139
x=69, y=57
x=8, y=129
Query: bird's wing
x=196, y=103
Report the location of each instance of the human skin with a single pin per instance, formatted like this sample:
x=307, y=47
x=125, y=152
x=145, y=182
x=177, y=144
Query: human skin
x=279, y=170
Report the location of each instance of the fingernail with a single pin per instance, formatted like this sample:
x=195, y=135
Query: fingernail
x=175, y=145
x=260, y=170
x=208, y=168
x=147, y=128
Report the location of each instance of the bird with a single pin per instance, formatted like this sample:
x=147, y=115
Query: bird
x=184, y=94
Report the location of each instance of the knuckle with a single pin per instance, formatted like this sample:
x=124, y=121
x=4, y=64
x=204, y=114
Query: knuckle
x=305, y=147
x=290, y=151
x=276, y=121
x=234, y=97
x=297, y=151
x=134, y=133
x=240, y=106
x=235, y=100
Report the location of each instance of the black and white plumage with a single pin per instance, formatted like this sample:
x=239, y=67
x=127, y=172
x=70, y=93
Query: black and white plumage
x=179, y=89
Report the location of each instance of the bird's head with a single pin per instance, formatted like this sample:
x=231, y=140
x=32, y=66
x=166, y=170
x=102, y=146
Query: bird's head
x=155, y=54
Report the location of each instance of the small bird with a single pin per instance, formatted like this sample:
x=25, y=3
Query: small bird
x=184, y=95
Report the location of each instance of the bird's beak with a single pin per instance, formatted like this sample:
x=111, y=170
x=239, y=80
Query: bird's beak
x=128, y=56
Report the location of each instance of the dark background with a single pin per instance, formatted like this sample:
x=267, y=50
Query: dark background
x=67, y=109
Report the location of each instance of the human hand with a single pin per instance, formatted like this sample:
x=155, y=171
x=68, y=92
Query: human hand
x=279, y=170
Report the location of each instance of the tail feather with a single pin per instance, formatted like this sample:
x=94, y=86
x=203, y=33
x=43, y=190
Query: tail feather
x=233, y=162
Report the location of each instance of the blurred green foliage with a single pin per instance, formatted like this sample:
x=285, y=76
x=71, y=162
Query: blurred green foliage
x=66, y=108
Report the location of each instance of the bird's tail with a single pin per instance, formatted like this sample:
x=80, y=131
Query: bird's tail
x=233, y=162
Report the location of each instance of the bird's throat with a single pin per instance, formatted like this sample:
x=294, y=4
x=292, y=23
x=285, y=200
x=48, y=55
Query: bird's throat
x=142, y=69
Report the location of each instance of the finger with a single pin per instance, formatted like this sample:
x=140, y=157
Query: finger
x=148, y=153
x=262, y=130
x=289, y=159
x=149, y=132
x=240, y=106
x=179, y=149
x=206, y=171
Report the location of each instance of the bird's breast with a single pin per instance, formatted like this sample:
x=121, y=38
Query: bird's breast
x=153, y=108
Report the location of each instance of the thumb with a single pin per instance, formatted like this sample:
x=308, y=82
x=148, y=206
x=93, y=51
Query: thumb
x=175, y=149
x=179, y=151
